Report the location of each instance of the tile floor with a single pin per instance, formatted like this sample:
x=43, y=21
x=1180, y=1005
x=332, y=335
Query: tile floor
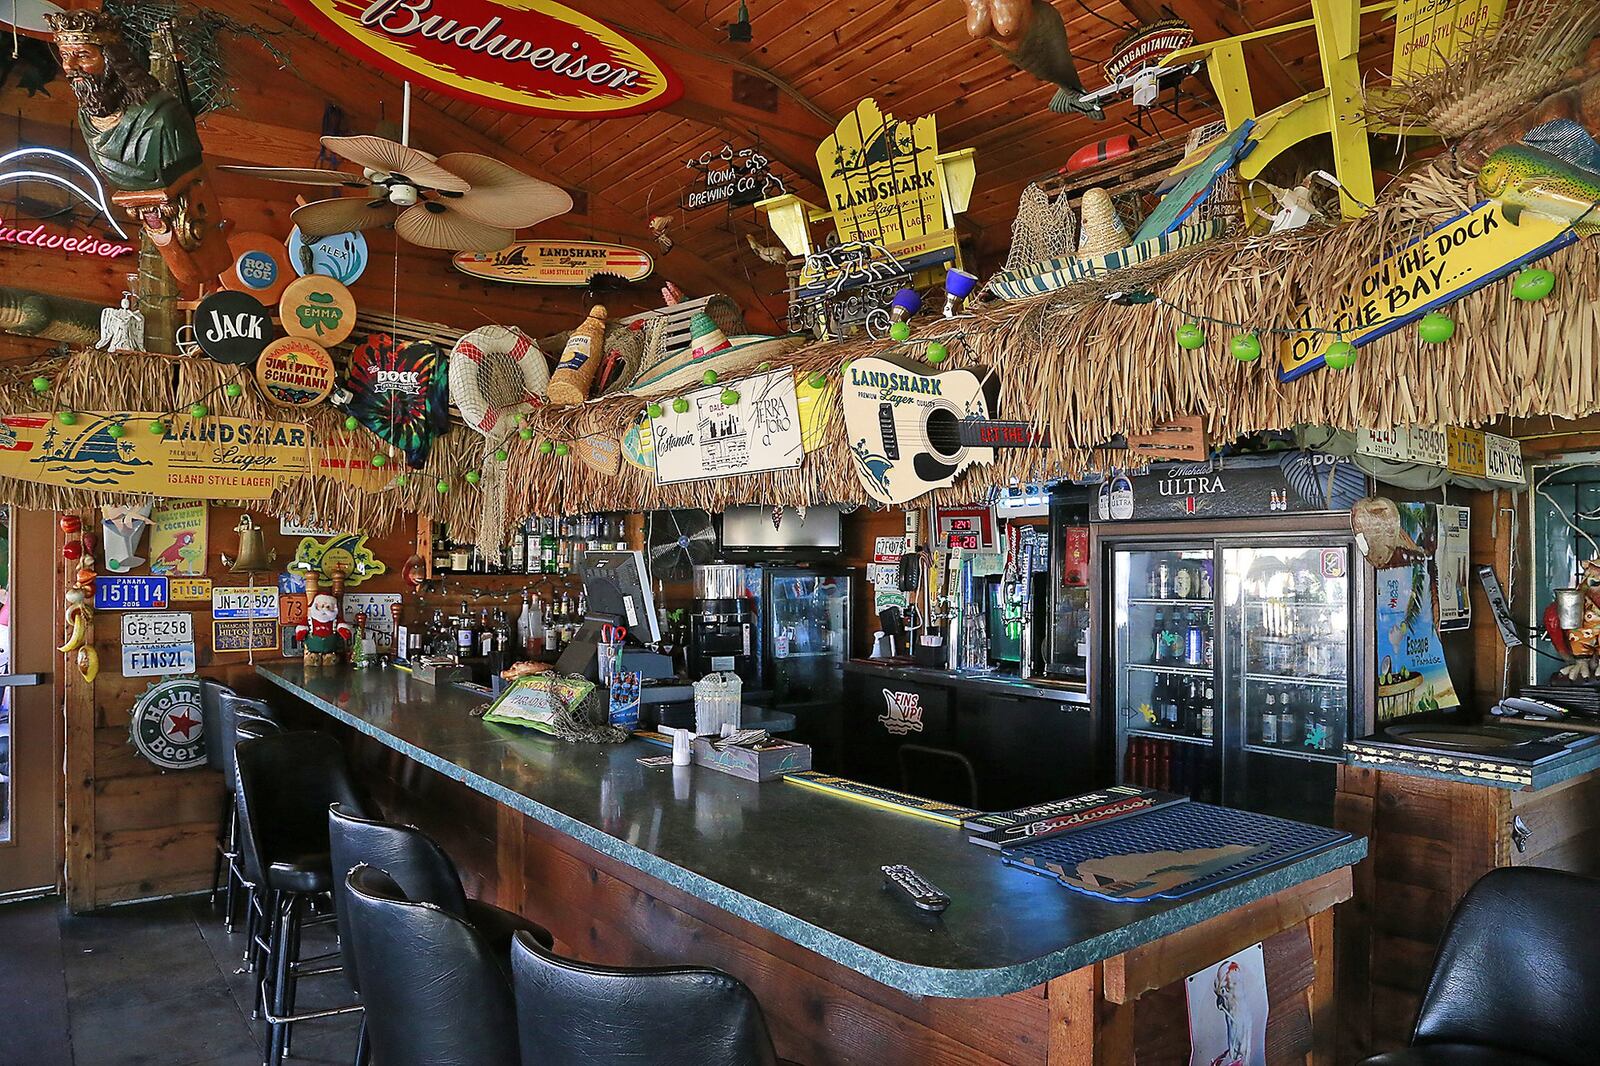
x=146, y=984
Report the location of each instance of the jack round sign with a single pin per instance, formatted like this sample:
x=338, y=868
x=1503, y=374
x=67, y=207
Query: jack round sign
x=535, y=56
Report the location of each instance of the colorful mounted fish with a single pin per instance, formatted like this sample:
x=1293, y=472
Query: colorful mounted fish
x=1554, y=172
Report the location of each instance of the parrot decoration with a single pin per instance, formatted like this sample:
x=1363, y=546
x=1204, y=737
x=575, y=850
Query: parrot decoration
x=174, y=555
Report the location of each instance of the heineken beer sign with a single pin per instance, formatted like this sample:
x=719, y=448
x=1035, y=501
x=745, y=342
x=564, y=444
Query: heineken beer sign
x=534, y=56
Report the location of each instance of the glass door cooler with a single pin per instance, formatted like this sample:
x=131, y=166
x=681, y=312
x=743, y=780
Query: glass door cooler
x=1234, y=667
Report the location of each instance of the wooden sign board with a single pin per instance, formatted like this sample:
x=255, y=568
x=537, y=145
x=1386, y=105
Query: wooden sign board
x=556, y=262
x=881, y=176
x=295, y=372
x=1464, y=254
x=711, y=439
x=533, y=56
x=1428, y=33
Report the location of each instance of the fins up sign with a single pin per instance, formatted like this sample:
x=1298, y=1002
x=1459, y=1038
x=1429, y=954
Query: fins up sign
x=534, y=56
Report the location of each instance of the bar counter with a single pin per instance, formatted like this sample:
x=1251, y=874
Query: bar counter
x=804, y=866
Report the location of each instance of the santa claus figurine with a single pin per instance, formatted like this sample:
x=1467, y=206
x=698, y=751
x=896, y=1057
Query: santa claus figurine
x=323, y=632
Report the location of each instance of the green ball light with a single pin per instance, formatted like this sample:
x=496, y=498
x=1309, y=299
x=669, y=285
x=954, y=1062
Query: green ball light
x=763, y=367
x=1191, y=336
x=525, y=433
x=116, y=431
x=545, y=447
x=680, y=405
x=233, y=390
x=937, y=352
x=900, y=331
x=500, y=455
x=41, y=384
x=66, y=418
x=1246, y=347
x=441, y=486
x=158, y=427
x=709, y=377
x=351, y=422
x=400, y=480
x=730, y=397
x=1436, y=328
x=1534, y=283
x=198, y=410
x=380, y=459
x=562, y=449
x=473, y=477
x=817, y=380
x=1340, y=355
x=653, y=410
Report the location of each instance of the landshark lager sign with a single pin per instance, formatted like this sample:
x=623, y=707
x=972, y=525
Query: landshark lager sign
x=534, y=56
x=882, y=176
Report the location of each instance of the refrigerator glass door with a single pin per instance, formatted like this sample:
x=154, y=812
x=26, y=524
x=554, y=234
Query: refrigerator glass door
x=1287, y=679
x=808, y=635
x=1163, y=657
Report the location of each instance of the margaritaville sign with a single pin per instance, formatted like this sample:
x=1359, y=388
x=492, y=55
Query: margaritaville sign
x=516, y=55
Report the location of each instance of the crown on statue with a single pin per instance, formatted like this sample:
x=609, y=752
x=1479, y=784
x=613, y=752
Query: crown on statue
x=85, y=26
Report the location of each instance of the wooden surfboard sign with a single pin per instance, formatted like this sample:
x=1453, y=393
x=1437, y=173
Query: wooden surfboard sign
x=534, y=262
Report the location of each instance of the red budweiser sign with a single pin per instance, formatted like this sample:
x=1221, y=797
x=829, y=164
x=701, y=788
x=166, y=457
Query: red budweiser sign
x=535, y=56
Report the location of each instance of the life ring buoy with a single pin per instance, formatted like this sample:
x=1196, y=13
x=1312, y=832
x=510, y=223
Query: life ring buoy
x=483, y=385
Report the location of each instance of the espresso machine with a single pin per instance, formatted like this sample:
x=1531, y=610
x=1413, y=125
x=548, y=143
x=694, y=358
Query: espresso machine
x=723, y=630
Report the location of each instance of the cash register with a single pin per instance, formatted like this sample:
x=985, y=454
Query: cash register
x=617, y=592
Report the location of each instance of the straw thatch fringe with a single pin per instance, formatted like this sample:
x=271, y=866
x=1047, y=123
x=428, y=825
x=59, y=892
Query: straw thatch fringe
x=91, y=380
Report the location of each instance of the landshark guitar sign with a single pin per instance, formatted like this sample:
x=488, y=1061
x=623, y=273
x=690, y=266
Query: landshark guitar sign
x=534, y=56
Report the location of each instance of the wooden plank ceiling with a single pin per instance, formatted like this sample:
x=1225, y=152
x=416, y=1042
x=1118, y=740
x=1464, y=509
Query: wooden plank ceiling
x=822, y=56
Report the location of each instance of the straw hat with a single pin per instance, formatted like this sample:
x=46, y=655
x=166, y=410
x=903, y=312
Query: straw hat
x=686, y=366
x=1101, y=230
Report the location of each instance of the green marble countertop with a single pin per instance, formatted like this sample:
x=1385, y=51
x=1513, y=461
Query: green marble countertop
x=802, y=864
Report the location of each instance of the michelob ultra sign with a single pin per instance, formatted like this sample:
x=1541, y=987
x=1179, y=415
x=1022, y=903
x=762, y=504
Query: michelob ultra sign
x=534, y=56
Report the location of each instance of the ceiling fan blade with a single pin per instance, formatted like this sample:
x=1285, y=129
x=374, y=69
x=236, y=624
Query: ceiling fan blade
x=327, y=217
x=303, y=176
x=391, y=157
x=432, y=225
x=502, y=195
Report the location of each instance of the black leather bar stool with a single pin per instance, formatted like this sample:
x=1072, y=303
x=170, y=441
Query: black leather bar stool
x=226, y=717
x=424, y=873
x=285, y=784
x=435, y=993
x=572, y=1013
x=1516, y=980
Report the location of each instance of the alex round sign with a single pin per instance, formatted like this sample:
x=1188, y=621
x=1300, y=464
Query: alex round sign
x=534, y=56
x=165, y=727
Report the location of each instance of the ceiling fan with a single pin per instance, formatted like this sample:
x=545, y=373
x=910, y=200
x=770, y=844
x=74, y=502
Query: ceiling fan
x=461, y=201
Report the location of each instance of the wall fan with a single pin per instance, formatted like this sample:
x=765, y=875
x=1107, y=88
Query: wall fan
x=678, y=542
x=461, y=201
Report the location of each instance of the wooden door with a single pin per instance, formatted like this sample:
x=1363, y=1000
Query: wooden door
x=30, y=823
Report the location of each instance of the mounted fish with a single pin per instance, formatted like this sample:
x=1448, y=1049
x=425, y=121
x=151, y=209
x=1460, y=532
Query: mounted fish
x=1031, y=34
x=1553, y=172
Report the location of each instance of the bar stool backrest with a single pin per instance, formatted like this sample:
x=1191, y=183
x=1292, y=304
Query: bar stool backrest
x=1516, y=970
x=219, y=743
x=286, y=782
x=571, y=1013
x=434, y=993
x=410, y=857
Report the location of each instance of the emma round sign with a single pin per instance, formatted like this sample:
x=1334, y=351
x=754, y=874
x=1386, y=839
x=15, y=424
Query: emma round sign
x=232, y=327
x=535, y=56
x=166, y=724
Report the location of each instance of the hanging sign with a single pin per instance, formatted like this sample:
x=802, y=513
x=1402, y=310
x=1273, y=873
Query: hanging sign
x=882, y=177
x=759, y=431
x=1452, y=565
x=1246, y=485
x=342, y=257
x=214, y=458
x=1460, y=256
x=347, y=552
x=736, y=178
x=178, y=538
x=295, y=372
x=317, y=308
x=129, y=593
x=260, y=266
x=154, y=645
x=244, y=634
x=256, y=601
x=533, y=56
x=556, y=262
x=165, y=724
x=232, y=327
x=401, y=392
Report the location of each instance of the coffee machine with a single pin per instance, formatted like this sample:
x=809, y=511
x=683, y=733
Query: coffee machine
x=723, y=630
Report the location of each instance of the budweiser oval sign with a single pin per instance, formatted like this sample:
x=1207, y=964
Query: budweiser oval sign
x=535, y=56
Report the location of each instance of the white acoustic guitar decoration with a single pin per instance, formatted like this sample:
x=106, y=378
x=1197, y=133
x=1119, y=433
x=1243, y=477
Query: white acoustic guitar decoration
x=912, y=430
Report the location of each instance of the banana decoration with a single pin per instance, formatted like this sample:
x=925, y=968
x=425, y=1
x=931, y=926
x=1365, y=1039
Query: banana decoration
x=88, y=663
x=78, y=619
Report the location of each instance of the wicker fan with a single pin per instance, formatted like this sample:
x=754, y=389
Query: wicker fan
x=461, y=201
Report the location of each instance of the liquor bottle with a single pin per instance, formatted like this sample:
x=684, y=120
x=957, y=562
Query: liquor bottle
x=486, y=634
x=551, y=641
x=1207, y=722
x=358, y=642
x=547, y=547
x=466, y=639
x=1169, y=704
x=1209, y=642
x=530, y=546
x=1163, y=580
x=1150, y=584
x=1269, y=715
x=1158, y=636
x=1194, y=642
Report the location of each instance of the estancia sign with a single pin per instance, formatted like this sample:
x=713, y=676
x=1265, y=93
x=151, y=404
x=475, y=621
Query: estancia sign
x=536, y=56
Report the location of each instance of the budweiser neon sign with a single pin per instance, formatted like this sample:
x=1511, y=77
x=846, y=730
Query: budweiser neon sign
x=535, y=56
x=39, y=237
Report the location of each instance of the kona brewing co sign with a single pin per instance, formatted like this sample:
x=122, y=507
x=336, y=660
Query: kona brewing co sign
x=534, y=56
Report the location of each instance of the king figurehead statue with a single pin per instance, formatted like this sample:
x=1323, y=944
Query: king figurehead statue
x=142, y=139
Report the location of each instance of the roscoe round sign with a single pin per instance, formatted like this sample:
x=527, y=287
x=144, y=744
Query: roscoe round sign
x=536, y=56
x=166, y=724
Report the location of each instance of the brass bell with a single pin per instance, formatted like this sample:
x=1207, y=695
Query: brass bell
x=253, y=554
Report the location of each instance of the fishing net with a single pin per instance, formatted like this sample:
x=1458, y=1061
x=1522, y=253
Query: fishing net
x=199, y=37
x=1042, y=230
x=565, y=706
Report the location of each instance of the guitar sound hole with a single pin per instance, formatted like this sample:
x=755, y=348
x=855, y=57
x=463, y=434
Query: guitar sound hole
x=944, y=432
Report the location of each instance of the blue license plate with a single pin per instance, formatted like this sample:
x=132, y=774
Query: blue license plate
x=130, y=593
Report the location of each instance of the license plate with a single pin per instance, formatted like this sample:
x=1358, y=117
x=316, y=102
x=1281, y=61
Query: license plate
x=130, y=593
